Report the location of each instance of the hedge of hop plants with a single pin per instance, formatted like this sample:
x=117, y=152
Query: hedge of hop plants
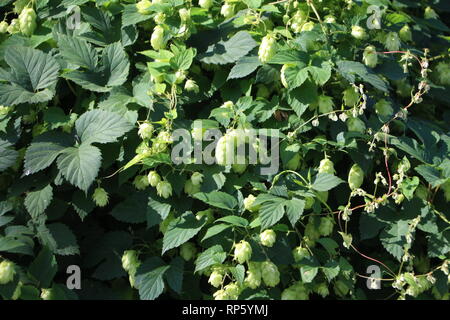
x=356, y=92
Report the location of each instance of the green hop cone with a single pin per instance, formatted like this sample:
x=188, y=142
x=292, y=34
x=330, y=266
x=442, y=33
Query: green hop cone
x=270, y=274
x=249, y=203
x=159, y=18
x=405, y=33
x=254, y=276
x=14, y=26
x=232, y=290
x=384, y=108
x=164, y=189
x=215, y=279
x=180, y=76
x=242, y=251
x=298, y=19
x=190, y=188
x=157, y=38
x=185, y=14
x=220, y=295
x=358, y=32
x=326, y=166
x=141, y=182
x=356, y=125
x=430, y=13
x=100, y=197
x=4, y=27
x=267, y=49
x=145, y=130
x=47, y=294
x=27, y=21
x=205, y=4
x=188, y=251
x=268, y=237
x=326, y=226
x=308, y=26
x=283, y=75
x=355, y=177
x=392, y=42
x=143, y=6
x=227, y=10
x=197, y=178
x=239, y=168
x=153, y=178
x=224, y=151
x=370, y=57
x=191, y=86
x=300, y=253
x=351, y=97
x=7, y=271
x=130, y=260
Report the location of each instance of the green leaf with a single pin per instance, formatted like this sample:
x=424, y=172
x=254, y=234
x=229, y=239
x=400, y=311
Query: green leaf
x=8, y=155
x=181, y=230
x=291, y=56
x=44, y=268
x=65, y=240
x=213, y=255
x=238, y=273
x=350, y=69
x=217, y=199
x=44, y=149
x=175, y=275
x=431, y=175
x=244, y=67
x=230, y=50
x=99, y=126
x=294, y=209
x=393, y=238
x=295, y=76
x=215, y=230
x=37, y=201
x=133, y=209
x=325, y=182
x=78, y=51
x=151, y=284
x=408, y=186
x=309, y=267
x=115, y=64
x=331, y=270
x=234, y=220
x=272, y=209
x=80, y=165
x=182, y=60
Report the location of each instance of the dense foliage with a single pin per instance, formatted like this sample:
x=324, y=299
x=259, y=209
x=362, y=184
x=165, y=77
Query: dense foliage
x=90, y=92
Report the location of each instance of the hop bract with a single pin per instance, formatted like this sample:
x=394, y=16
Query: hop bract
x=270, y=273
x=130, y=260
x=227, y=10
x=205, y=4
x=358, y=32
x=157, y=38
x=4, y=27
x=164, y=189
x=405, y=33
x=7, y=271
x=215, y=279
x=27, y=21
x=249, y=203
x=254, y=276
x=267, y=49
x=197, y=178
x=145, y=130
x=191, y=86
x=355, y=177
x=100, y=197
x=326, y=166
x=268, y=237
x=326, y=226
x=153, y=178
x=242, y=252
x=142, y=6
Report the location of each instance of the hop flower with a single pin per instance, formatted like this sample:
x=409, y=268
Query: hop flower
x=188, y=251
x=145, y=130
x=326, y=166
x=130, y=260
x=325, y=104
x=191, y=188
x=356, y=125
x=295, y=292
x=185, y=14
x=180, y=76
x=153, y=178
x=7, y=271
x=326, y=226
x=3, y=27
x=384, y=108
x=220, y=295
x=283, y=75
x=196, y=178
x=205, y=4
x=216, y=278
x=309, y=202
x=329, y=19
x=100, y=197
x=14, y=26
x=47, y=294
x=322, y=289
x=430, y=13
x=159, y=18
x=254, y=277
x=370, y=58
x=392, y=42
x=157, y=38
x=299, y=253
x=308, y=26
x=242, y=251
x=355, y=177
x=270, y=273
x=141, y=182
x=239, y=168
x=227, y=10
x=142, y=6
x=164, y=189
x=358, y=32
x=27, y=21
x=249, y=203
x=232, y=290
x=268, y=237
x=298, y=19
x=267, y=49
x=224, y=151
x=191, y=86
x=405, y=33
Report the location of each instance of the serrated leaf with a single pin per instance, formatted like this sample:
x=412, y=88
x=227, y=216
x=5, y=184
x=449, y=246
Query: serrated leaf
x=294, y=210
x=244, y=67
x=181, y=230
x=44, y=268
x=213, y=255
x=234, y=220
x=37, y=201
x=8, y=155
x=99, y=126
x=133, y=209
x=217, y=199
x=66, y=242
x=215, y=230
x=325, y=182
x=431, y=175
x=151, y=284
x=80, y=165
x=78, y=51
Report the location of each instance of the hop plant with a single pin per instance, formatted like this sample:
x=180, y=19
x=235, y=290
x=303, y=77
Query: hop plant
x=283, y=75
x=358, y=32
x=205, y=4
x=300, y=253
x=188, y=251
x=143, y=5
x=298, y=19
x=356, y=125
x=159, y=18
x=227, y=10
x=197, y=178
x=220, y=295
x=157, y=38
x=249, y=203
x=153, y=178
x=270, y=273
x=130, y=260
x=164, y=189
x=392, y=42
x=216, y=278
x=191, y=86
x=268, y=237
x=145, y=130
x=141, y=182
x=405, y=33
x=294, y=162
x=355, y=177
x=7, y=271
x=384, y=108
x=100, y=197
x=326, y=166
x=430, y=13
x=370, y=57
x=27, y=21
x=47, y=294
x=242, y=251
x=267, y=49
x=3, y=27
x=232, y=290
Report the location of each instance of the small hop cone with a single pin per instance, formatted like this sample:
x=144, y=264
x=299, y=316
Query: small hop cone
x=370, y=57
x=7, y=271
x=242, y=252
x=267, y=49
x=142, y=6
x=270, y=274
x=153, y=178
x=145, y=130
x=164, y=189
x=268, y=238
x=14, y=26
x=326, y=166
x=188, y=251
x=232, y=290
x=358, y=32
x=157, y=38
x=205, y=4
x=326, y=227
x=254, y=276
x=100, y=197
x=47, y=294
x=215, y=279
x=130, y=260
x=141, y=182
x=355, y=177
x=227, y=10
x=4, y=27
x=197, y=178
x=191, y=86
x=27, y=21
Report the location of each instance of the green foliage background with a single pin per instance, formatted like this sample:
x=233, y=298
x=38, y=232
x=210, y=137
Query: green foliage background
x=73, y=101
